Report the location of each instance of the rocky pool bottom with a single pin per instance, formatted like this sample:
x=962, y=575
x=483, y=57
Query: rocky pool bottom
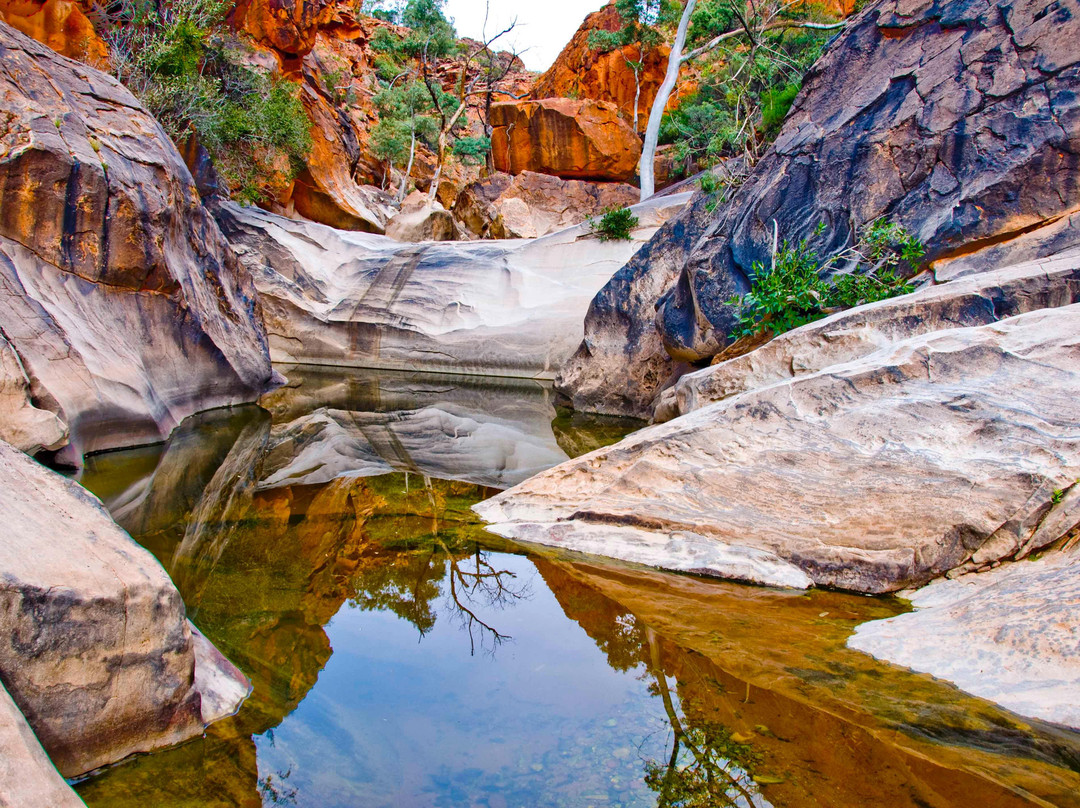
x=402, y=656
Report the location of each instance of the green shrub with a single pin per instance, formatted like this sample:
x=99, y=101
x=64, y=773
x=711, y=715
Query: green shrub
x=472, y=150
x=617, y=224
x=792, y=292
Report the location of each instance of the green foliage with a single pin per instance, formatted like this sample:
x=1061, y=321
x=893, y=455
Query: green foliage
x=472, y=150
x=173, y=58
x=338, y=85
x=617, y=224
x=711, y=770
x=793, y=292
x=775, y=103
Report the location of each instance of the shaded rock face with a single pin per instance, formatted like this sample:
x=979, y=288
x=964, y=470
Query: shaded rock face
x=26, y=427
x=938, y=452
x=60, y=24
x=978, y=299
x=582, y=72
x=96, y=651
x=585, y=140
x=1008, y=635
x=532, y=205
x=27, y=776
x=959, y=120
x=118, y=294
x=621, y=366
x=508, y=308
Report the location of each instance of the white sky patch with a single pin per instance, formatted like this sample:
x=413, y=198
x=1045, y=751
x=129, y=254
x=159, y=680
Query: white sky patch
x=544, y=26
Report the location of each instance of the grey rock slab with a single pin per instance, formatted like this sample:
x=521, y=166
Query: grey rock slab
x=94, y=645
x=1010, y=635
x=872, y=475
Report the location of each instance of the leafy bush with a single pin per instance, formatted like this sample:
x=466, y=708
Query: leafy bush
x=472, y=150
x=792, y=292
x=617, y=224
x=173, y=57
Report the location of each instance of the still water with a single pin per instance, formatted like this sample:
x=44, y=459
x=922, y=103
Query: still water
x=402, y=656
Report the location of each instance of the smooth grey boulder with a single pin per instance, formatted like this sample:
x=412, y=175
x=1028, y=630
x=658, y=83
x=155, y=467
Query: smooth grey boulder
x=26, y=427
x=119, y=296
x=1009, y=635
x=509, y=308
x=27, y=776
x=940, y=452
x=94, y=646
x=977, y=299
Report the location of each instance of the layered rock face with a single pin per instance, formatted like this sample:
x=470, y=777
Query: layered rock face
x=583, y=72
x=96, y=651
x=585, y=140
x=937, y=452
x=508, y=308
x=960, y=122
x=119, y=297
x=287, y=26
x=532, y=205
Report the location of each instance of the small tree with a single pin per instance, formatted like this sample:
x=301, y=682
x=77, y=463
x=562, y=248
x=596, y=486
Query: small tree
x=640, y=30
x=749, y=24
x=404, y=120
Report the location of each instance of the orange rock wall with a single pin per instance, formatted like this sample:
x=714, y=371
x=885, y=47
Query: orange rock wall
x=585, y=140
x=60, y=24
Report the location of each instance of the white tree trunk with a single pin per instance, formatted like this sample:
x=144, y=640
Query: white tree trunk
x=404, y=189
x=652, y=132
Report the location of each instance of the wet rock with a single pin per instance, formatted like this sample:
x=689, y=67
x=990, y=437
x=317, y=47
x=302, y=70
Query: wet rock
x=532, y=205
x=1008, y=635
x=95, y=651
x=936, y=452
x=504, y=308
x=585, y=140
x=960, y=121
x=118, y=292
x=27, y=776
x=978, y=299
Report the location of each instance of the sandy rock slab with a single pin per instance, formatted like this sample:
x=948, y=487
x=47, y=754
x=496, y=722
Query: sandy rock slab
x=1010, y=635
x=95, y=648
x=945, y=450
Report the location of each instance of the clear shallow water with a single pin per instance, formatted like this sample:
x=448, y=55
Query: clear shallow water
x=401, y=656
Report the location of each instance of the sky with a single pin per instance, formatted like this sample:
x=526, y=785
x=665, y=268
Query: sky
x=544, y=26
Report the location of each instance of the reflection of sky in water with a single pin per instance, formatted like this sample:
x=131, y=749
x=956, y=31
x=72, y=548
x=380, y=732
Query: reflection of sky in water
x=397, y=720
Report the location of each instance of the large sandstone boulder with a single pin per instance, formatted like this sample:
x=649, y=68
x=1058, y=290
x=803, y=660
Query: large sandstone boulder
x=287, y=26
x=942, y=451
x=27, y=776
x=505, y=308
x=957, y=120
x=1008, y=635
x=420, y=220
x=532, y=205
x=978, y=299
x=584, y=140
x=94, y=647
x=119, y=296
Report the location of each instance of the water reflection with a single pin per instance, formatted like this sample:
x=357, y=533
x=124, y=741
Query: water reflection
x=402, y=656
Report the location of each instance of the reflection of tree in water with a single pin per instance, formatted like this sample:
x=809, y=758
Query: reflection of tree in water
x=275, y=789
x=410, y=577
x=707, y=766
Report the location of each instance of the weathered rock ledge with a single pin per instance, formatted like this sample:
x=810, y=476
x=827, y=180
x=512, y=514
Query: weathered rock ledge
x=937, y=452
x=509, y=308
x=94, y=646
x=1008, y=635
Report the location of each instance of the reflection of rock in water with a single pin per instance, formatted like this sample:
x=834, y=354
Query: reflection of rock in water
x=491, y=432
x=764, y=676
